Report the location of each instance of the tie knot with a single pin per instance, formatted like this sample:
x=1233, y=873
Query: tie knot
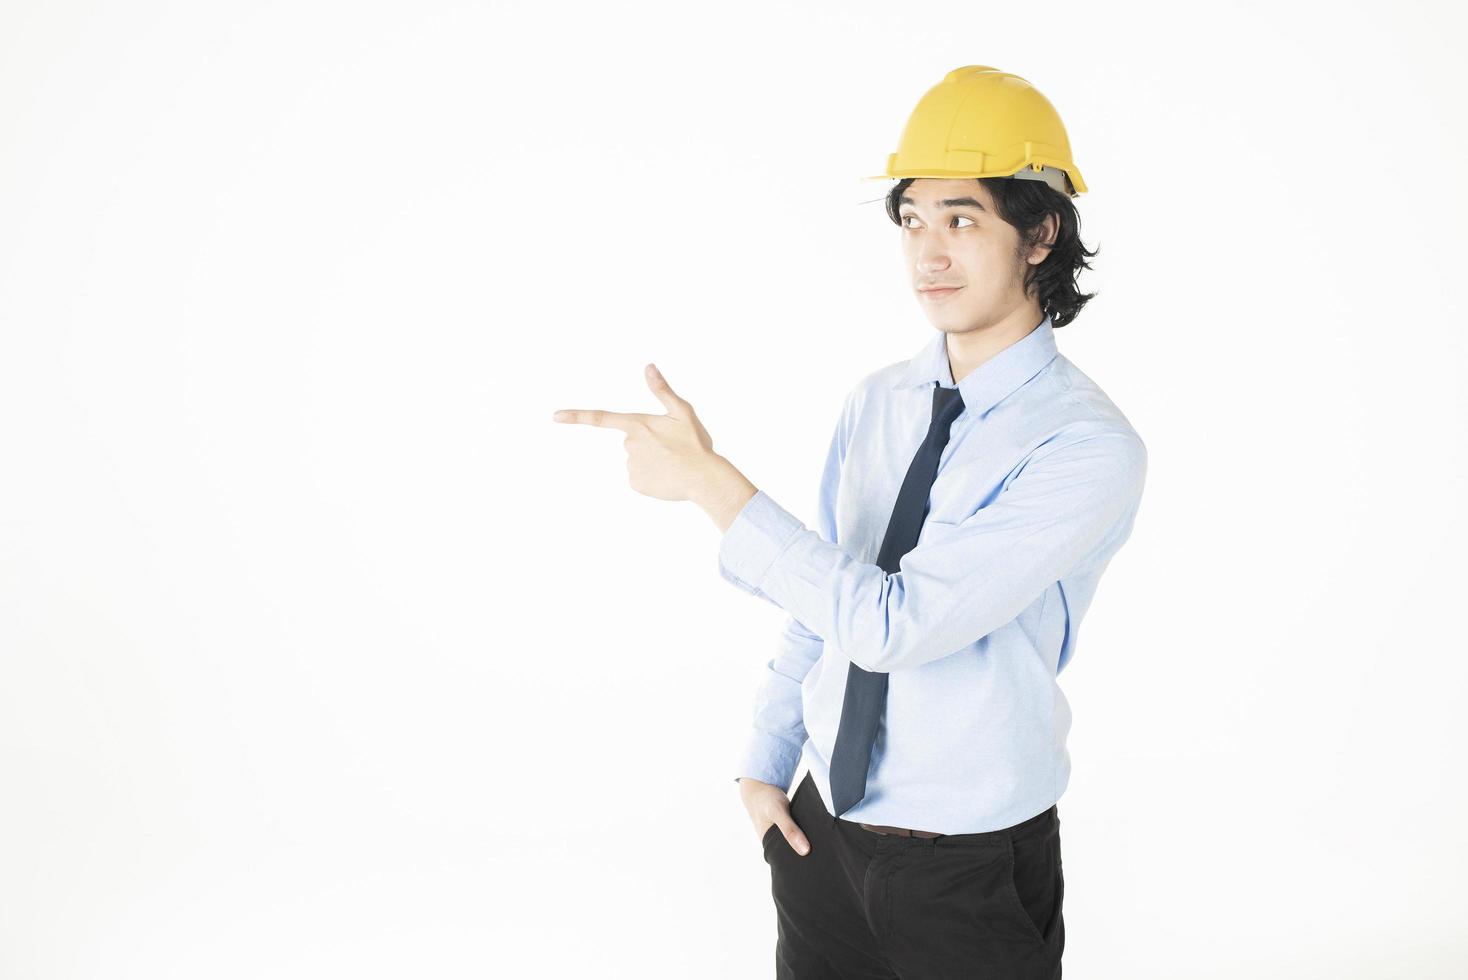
x=947, y=404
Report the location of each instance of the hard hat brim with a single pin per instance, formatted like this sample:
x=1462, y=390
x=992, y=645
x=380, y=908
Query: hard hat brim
x=1074, y=180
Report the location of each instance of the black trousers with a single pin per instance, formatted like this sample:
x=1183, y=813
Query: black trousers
x=869, y=906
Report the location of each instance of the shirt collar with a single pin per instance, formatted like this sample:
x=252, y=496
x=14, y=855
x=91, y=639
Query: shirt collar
x=989, y=383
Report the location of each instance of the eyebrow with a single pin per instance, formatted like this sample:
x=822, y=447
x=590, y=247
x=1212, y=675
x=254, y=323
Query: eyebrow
x=953, y=202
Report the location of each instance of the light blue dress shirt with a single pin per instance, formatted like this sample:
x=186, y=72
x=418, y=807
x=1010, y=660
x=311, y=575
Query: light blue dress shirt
x=1037, y=489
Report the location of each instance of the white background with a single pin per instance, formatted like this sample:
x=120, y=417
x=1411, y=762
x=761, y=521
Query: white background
x=325, y=652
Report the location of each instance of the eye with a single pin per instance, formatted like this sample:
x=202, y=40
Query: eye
x=956, y=217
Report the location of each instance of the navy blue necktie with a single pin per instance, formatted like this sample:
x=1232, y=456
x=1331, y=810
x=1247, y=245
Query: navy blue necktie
x=866, y=690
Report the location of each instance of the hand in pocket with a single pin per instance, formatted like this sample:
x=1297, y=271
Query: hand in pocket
x=769, y=809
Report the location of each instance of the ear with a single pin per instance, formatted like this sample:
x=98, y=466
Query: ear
x=1050, y=230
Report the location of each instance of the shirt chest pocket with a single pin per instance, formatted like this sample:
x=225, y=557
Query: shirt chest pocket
x=936, y=532
x=963, y=489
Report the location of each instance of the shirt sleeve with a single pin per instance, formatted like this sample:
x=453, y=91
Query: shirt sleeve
x=772, y=752
x=1073, y=501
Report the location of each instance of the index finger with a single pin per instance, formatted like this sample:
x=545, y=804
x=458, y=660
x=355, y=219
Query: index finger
x=597, y=416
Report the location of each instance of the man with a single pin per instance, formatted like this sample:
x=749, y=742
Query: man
x=971, y=497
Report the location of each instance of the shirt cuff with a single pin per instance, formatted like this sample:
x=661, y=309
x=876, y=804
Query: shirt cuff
x=770, y=759
x=761, y=531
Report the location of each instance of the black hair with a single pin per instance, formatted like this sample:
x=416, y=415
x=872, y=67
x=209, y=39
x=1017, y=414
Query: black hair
x=1023, y=204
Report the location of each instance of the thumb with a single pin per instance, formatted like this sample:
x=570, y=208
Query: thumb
x=793, y=834
x=671, y=400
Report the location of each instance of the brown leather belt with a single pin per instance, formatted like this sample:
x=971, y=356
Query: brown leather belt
x=899, y=831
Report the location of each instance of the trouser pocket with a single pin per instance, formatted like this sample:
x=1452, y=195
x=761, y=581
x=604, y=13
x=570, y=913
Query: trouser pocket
x=1036, y=883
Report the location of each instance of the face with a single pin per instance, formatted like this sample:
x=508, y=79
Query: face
x=951, y=236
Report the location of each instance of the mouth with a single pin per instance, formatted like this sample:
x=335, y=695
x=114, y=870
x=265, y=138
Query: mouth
x=939, y=293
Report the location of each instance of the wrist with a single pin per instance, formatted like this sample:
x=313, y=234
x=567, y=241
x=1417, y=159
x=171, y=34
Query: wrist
x=724, y=492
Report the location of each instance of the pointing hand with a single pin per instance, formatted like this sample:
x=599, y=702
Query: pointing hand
x=670, y=457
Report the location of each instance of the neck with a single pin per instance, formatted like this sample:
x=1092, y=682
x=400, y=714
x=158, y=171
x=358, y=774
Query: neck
x=968, y=349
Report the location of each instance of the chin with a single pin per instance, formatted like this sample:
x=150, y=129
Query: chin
x=952, y=321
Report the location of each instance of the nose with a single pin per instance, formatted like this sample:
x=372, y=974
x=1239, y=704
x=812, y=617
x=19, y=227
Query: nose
x=931, y=255
x=931, y=261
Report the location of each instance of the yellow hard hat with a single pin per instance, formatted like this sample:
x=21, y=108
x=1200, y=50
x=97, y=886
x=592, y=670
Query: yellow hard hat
x=983, y=122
